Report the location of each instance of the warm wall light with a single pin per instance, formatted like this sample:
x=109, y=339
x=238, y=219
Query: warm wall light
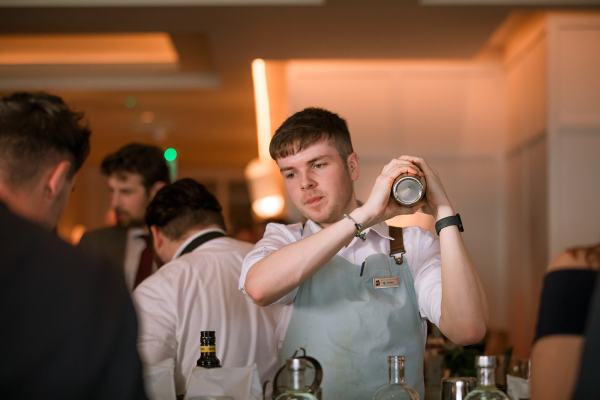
x=261, y=107
x=264, y=179
x=265, y=188
x=113, y=48
x=147, y=117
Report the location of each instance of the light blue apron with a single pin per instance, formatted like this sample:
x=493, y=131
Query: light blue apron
x=351, y=327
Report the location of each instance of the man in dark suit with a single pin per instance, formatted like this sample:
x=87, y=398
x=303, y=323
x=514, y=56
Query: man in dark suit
x=68, y=325
x=134, y=174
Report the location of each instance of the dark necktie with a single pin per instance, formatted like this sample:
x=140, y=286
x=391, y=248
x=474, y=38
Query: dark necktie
x=145, y=264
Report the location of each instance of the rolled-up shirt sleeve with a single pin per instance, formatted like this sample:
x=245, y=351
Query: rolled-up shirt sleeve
x=276, y=236
x=423, y=252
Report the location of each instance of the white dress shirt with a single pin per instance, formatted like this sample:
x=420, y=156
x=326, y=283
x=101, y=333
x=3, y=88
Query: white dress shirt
x=198, y=291
x=422, y=255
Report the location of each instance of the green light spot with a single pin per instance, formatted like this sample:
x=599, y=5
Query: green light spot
x=130, y=102
x=170, y=154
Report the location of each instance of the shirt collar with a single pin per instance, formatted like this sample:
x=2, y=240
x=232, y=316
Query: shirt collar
x=137, y=232
x=194, y=236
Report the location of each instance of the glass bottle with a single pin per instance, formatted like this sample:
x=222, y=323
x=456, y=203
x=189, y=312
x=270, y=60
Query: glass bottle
x=397, y=387
x=297, y=389
x=208, y=354
x=486, y=387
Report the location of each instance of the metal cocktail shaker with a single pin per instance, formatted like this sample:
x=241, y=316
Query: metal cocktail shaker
x=408, y=189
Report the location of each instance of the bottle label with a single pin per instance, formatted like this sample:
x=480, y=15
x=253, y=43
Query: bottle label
x=207, y=349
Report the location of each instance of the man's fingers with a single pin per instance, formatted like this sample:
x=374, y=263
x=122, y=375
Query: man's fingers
x=401, y=166
x=419, y=162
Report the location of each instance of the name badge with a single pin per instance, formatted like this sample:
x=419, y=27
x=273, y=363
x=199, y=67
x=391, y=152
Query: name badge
x=384, y=282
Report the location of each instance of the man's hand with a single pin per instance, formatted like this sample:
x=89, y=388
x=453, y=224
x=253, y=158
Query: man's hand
x=436, y=200
x=381, y=206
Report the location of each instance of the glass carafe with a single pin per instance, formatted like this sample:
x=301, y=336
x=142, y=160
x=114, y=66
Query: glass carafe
x=486, y=386
x=396, y=388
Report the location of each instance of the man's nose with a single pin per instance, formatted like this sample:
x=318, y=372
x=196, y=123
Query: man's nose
x=114, y=200
x=307, y=181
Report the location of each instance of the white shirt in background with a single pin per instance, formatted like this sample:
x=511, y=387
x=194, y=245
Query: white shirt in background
x=133, y=250
x=199, y=291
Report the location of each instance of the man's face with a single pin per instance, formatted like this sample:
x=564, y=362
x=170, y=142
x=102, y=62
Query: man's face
x=128, y=198
x=319, y=182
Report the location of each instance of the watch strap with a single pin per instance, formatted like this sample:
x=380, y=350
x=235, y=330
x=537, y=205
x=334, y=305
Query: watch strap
x=449, y=221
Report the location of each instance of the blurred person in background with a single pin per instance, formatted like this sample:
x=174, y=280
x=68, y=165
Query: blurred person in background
x=589, y=373
x=196, y=290
x=564, y=311
x=134, y=174
x=68, y=324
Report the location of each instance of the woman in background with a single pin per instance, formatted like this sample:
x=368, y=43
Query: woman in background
x=565, y=302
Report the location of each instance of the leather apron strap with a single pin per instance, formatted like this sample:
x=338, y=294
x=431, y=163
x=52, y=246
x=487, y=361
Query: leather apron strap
x=397, y=245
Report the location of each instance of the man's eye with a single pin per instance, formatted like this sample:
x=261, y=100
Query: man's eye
x=288, y=175
x=319, y=165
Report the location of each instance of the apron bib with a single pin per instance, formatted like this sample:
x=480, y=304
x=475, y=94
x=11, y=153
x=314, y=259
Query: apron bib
x=343, y=320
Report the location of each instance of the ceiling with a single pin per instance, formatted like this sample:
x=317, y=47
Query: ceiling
x=205, y=109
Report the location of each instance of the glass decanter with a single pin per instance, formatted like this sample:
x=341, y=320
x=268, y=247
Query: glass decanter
x=396, y=388
x=486, y=387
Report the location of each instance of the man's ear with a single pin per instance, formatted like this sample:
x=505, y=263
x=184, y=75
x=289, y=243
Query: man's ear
x=155, y=188
x=157, y=237
x=57, y=178
x=353, y=166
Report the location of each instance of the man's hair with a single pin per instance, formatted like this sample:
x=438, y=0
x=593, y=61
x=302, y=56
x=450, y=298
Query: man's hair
x=38, y=128
x=308, y=127
x=181, y=206
x=145, y=160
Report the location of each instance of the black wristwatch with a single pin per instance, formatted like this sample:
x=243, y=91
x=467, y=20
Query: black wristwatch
x=448, y=221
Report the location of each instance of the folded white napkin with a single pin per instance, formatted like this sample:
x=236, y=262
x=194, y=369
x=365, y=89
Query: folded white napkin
x=159, y=381
x=240, y=383
x=517, y=388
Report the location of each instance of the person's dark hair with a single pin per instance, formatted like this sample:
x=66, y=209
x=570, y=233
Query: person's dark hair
x=181, y=206
x=143, y=159
x=591, y=254
x=37, y=128
x=308, y=127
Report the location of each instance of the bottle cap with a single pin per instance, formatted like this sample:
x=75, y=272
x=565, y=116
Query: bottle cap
x=295, y=364
x=396, y=358
x=486, y=361
x=207, y=334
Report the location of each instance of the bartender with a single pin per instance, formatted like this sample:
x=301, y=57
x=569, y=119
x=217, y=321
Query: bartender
x=358, y=289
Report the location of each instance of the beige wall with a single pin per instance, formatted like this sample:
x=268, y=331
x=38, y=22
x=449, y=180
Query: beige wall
x=553, y=92
x=574, y=129
x=525, y=159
